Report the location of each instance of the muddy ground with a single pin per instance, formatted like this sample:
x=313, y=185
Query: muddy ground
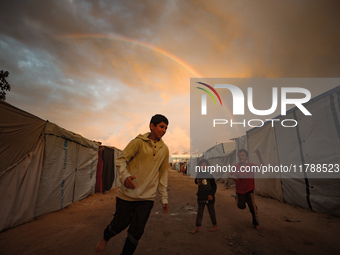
x=286, y=229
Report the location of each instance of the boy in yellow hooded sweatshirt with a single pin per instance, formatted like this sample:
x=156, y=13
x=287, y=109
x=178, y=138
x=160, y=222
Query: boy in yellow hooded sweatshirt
x=143, y=169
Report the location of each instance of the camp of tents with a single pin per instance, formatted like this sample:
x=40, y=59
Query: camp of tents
x=44, y=168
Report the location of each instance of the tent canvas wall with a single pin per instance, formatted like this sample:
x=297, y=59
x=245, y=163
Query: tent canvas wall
x=69, y=172
x=315, y=140
x=19, y=186
x=21, y=160
x=42, y=166
x=264, y=140
x=17, y=126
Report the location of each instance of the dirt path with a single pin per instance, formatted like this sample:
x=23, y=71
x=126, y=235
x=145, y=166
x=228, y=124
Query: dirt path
x=286, y=229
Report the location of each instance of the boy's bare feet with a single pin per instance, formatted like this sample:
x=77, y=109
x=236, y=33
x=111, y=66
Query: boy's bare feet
x=215, y=227
x=195, y=230
x=100, y=247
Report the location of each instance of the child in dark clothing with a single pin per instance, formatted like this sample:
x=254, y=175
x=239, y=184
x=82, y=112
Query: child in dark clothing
x=205, y=196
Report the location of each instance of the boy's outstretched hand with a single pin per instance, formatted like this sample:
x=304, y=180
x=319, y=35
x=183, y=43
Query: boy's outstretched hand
x=165, y=208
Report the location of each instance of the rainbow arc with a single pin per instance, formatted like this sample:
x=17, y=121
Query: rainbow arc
x=145, y=45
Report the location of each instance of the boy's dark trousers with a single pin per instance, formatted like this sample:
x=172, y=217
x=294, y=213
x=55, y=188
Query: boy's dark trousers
x=200, y=211
x=248, y=198
x=133, y=213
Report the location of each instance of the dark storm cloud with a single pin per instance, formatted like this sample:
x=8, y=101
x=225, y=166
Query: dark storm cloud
x=60, y=53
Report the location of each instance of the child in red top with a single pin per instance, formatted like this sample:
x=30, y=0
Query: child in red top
x=245, y=184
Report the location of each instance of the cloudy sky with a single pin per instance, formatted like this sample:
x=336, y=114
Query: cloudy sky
x=103, y=68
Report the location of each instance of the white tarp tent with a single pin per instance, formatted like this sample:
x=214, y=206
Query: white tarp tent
x=264, y=140
x=21, y=159
x=42, y=166
x=69, y=172
x=19, y=186
x=315, y=140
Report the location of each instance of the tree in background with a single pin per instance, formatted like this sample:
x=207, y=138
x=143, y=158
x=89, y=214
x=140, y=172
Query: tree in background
x=4, y=85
